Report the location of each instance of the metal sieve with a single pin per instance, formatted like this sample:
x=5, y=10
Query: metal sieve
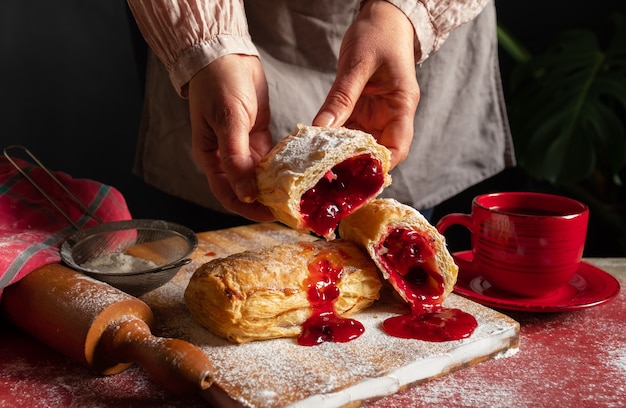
x=136, y=256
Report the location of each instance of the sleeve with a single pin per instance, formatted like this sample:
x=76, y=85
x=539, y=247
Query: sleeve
x=187, y=35
x=433, y=20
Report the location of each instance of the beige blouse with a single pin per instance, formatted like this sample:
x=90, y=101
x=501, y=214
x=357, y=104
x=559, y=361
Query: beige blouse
x=461, y=129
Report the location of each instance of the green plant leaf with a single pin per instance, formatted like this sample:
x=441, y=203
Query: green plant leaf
x=567, y=107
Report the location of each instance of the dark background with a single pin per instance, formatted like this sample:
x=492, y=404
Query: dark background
x=71, y=91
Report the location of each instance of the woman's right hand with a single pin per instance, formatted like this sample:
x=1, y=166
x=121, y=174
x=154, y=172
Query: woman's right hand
x=230, y=116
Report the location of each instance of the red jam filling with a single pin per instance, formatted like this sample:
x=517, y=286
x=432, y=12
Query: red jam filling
x=324, y=324
x=342, y=190
x=409, y=258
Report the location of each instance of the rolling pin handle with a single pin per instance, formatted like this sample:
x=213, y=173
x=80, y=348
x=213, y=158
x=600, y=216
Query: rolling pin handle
x=176, y=365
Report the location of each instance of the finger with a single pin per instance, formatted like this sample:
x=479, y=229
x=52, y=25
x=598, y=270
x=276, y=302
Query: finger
x=222, y=189
x=237, y=161
x=397, y=136
x=350, y=81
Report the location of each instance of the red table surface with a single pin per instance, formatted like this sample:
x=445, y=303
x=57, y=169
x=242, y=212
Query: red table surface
x=565, y=360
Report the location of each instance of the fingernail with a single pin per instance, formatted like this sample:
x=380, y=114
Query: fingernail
x=325, y=119
x=246, y=192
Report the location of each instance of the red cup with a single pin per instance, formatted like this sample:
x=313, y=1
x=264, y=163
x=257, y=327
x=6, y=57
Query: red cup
x=527, y=244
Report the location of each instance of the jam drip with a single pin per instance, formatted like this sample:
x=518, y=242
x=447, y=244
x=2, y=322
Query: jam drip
x=442, y=325
x=343, y=189
x=409, y=258
x=324, y=324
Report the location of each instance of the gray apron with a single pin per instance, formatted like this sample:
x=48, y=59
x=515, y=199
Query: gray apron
x=461, y=129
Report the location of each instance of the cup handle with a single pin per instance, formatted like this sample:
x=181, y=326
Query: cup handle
x=464, y=220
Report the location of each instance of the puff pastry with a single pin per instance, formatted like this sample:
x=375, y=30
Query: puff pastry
x=409, y=251
x=316, y=176
x=256, y=295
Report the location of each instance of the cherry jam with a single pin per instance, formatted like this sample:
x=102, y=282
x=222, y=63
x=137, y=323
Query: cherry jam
x=409, y=258
x=436, y=326
x=324, y=324
x=343, y=189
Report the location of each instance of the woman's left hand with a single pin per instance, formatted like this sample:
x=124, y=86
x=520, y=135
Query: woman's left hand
x=376, y=89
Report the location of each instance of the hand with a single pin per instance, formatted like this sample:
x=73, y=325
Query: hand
x=229, y=110
x=375, y=89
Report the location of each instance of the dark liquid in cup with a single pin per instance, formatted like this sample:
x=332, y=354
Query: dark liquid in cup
x=529, y=211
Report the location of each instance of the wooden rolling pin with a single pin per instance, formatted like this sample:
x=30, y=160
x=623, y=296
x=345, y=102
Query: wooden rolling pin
x=102, y=328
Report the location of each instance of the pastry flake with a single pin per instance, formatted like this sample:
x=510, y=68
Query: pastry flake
x=316, y=176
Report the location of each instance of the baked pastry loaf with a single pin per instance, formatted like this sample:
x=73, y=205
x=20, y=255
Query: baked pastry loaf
x=409, y=251
x=263, y=294
x=316, y=176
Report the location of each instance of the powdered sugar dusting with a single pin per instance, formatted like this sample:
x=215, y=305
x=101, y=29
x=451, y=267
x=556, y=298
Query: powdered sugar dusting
x=617, y=357
x=275, y=372
x=566, y=359
x=56, y=381
x=279, y=372
x=88, y=295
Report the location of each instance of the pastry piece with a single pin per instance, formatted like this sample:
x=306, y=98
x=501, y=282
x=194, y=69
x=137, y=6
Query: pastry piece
x=316, y=176
x=409, y=251
x=264, y=294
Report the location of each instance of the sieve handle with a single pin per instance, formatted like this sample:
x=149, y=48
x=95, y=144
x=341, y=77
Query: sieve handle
x=53, y=177
x=178, y=264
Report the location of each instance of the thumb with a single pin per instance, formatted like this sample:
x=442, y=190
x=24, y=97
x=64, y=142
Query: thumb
x=342, y=97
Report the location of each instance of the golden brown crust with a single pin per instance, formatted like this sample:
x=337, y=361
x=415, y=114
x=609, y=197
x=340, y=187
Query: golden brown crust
x=257, y=295
x=300, y=160
x=368, y=227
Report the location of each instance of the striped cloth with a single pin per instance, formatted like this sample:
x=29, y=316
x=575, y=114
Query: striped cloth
x=32, y=230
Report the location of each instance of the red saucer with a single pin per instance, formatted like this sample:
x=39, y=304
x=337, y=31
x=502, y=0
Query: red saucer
x=590, y=286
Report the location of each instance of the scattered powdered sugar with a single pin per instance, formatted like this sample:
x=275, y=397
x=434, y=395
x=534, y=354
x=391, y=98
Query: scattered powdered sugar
x=279, y=372
x=21, y=384
x=276, y=373
x=479, y=392
x=576, y=358
x=590, y=340
x=118, y=262
x=507, y=353
x=87, y=295
x=618, y=357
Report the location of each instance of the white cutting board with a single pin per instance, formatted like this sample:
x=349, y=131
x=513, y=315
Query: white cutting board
x=281, y=373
